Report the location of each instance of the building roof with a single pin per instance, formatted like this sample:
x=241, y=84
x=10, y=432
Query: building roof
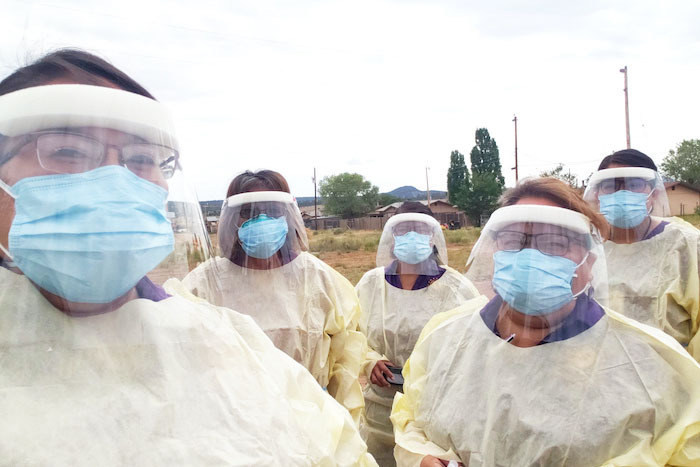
x=309, y=210
x=669, y=185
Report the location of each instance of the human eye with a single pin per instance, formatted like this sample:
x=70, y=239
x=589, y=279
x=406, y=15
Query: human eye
x=637, y=184
x=607, y=186
x=511, y=241
x=552, y=244
x=67, y=153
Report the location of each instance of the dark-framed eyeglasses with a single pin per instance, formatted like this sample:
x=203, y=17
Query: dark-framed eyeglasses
x=548, y=243
x=635, y=184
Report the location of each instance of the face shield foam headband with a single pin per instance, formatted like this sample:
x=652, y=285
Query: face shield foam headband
x=79, y=105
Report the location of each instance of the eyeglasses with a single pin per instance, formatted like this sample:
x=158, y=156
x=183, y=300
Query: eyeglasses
x=547, y=243
x=404, y=227
x=272, y=209
x=70, y=153
x=636, y=184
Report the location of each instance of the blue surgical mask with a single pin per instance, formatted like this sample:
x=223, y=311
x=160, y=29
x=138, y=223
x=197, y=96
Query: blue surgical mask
x=89, y=237
x=263, y=236
x=624, y=209
x=533, y=283
x=412, y=247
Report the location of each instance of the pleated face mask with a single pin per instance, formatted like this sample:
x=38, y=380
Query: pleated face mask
x=263, y=236
x=89, y=237
x=412, y=247
x=534, y=283
x=624, y=209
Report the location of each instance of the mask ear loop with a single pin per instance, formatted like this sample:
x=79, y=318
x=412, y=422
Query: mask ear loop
x=651, y=208
x=6, y=188
x=588, y=284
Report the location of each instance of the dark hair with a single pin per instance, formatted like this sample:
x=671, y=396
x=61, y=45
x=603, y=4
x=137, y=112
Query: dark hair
x=414, y=206
x=629, y=157
x=73, y=64
x=560, y=194
x=268, y=180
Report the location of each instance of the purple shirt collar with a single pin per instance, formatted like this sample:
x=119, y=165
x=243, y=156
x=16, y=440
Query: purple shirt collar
x=656, y=231
x=584, y=315
x=422, y=281
x=150, y=291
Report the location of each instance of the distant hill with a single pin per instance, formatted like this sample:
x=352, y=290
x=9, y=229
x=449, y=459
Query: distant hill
x=411, y=192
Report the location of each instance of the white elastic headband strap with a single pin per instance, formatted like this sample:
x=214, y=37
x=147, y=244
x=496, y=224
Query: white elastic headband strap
x=80, y=105
x=259, y=197
x=530, y=213
x=411, y=217
x=622, y=172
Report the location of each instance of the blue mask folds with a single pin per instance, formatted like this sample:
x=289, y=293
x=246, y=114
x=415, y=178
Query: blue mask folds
x=263, y=236
x=412, y=247
x=89, y=237
x=624, y=209
x=531, y=282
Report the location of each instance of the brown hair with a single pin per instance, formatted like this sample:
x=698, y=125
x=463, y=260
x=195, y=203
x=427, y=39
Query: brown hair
x=73, y=64
x=414, y=206
x=559, y=193
x=628, y=157
x=268, y=180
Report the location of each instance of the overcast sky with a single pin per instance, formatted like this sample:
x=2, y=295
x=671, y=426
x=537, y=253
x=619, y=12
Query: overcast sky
x=388, y=88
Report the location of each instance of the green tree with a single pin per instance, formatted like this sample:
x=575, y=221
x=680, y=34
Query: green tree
x=683, y=164
x=480, y=195
x=348, y=195
x=558, y=173
x=457, y=177
x=482, y=198
x=484, y=156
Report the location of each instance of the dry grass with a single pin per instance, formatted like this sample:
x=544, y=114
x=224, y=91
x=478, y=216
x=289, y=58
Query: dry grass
x=693, y=219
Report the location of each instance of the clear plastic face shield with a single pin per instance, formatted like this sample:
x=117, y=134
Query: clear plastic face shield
x=93, y=197
x=261, y=229
x=627, y=196
x=412, y=243
x=539, y=260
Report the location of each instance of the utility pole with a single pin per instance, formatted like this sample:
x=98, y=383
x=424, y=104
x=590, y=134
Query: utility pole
x=315, y=203
x=515, y=120
x=627, y=107
x=427, y=185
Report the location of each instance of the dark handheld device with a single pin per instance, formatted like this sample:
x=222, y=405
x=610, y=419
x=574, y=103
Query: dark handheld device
x=396, y=378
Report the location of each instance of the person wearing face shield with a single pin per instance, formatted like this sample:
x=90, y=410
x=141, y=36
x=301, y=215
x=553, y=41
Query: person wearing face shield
x=307, y=308
x=100, y=365
x=538, y=371
x=410, y=284
x=652, y=258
